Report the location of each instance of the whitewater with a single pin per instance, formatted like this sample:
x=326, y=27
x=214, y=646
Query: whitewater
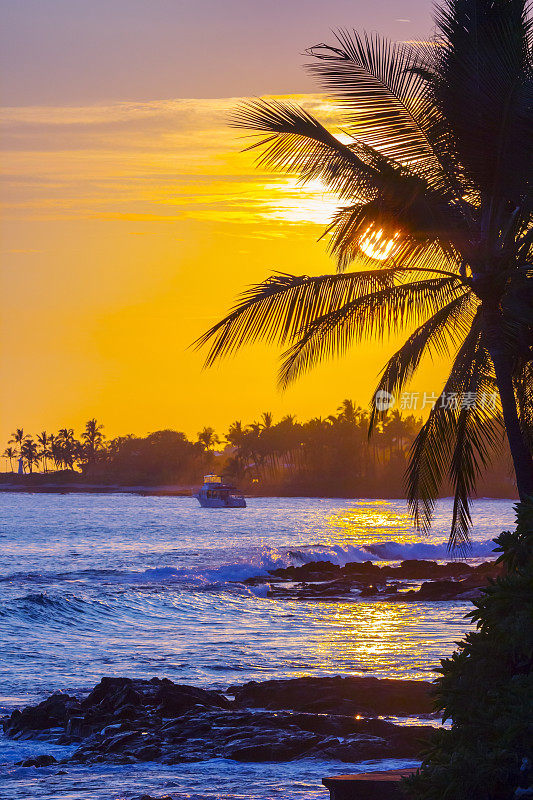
x=126, y=585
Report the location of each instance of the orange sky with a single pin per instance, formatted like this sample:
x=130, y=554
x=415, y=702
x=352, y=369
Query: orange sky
x=129, y=227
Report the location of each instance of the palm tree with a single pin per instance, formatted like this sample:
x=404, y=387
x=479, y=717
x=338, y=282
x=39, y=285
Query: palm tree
x=92, y=439
x=67, y=447
x=348, y=412
x=235, y=433
x=17, y=438
x=30, y=452
x=10, y=453
x=434, y=175
x=267, y=419
x=208, y=438
x=56, y=452
x=44, y=441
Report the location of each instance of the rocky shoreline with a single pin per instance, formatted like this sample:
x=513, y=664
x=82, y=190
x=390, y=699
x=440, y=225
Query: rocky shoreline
x=125, y=721
x=410, y=581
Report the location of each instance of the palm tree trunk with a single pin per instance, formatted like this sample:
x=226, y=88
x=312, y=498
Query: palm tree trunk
x=520, y=452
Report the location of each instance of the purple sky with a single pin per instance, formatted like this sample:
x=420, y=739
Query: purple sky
x=75, y=52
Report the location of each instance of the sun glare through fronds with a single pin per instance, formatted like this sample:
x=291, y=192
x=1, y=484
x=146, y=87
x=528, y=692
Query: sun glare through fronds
x=375, y=243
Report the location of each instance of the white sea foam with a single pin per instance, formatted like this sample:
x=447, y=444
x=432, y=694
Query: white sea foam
x=268, y=558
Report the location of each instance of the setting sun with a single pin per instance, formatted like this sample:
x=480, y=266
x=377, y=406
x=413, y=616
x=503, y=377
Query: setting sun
x=375, y=243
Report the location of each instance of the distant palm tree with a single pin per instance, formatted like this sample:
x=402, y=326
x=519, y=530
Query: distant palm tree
x=10, y=453
x=267, y=419
x=394, y=429
x=67, y=447
x=434, y=172
x=208, y=438
x=235, y=433
x=30, y=453
x=55, y=450
x=92, y=438
x=44, y=441
x=348, y=412
x=289, y=419
x=17, y=438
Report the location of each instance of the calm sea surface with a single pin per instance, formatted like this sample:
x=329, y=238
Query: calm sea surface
x=94, y=585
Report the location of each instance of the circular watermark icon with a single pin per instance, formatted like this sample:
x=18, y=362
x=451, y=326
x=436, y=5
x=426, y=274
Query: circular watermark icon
x=383, y=400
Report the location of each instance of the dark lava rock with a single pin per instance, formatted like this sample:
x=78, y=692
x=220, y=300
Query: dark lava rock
x=329, y=590
x=39, y=761
x=150, y=752
x=444, y=590
x=271, y=721
x=51, y=713
x=440, y=590
x=272, y=746
x=324, y=580
x=369, y=591
x=123, y=697
x=413, y=569
x=338, y=695
x=149, y=797
x=174, y=699
x=371, y=573
x=314, y=570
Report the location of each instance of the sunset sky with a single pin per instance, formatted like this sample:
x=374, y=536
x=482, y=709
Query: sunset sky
x=131, y=219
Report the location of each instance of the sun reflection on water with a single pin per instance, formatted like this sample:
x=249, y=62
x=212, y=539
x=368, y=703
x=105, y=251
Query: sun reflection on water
x=370, y=522
x=375, y=637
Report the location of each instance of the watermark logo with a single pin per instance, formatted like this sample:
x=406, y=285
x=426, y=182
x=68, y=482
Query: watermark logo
x=383, y=400
x=418, y=401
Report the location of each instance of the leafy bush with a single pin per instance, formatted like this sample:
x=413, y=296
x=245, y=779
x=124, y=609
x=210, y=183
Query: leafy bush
x=486, y=689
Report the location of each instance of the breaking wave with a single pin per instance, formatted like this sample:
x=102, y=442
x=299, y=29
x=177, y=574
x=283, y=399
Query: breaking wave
x=254, y=565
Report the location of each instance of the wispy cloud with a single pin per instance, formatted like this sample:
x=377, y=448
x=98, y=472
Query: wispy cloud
x=146, y=162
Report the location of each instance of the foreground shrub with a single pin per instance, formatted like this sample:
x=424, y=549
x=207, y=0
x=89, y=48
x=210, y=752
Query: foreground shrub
x=486, y=689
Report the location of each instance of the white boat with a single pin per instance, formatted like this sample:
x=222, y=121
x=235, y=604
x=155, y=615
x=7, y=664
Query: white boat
x=217, y=494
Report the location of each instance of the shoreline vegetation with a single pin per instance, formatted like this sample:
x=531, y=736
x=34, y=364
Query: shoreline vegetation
x=320, y=457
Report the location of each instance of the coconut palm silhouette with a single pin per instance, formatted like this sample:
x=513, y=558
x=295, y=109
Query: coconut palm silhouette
x=433, y=171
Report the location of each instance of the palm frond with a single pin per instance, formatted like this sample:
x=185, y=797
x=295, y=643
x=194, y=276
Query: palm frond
x=376, y=314
x=524, y=396
x=483, y=88
x=378, y=188
x=446, y=329
x=456, y=440
x=378, y=83
x=477, y=435
x=525, y=242
x=432, y=449
x=296, y=142
x=282, y=305
x=420, y=234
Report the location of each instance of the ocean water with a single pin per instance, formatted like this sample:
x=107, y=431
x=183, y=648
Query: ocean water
x=124, y=585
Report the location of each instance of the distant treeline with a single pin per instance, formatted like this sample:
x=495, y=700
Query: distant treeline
x=324, y=456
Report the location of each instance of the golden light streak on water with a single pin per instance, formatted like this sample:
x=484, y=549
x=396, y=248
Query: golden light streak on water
x=365, y=637
x=366, y=522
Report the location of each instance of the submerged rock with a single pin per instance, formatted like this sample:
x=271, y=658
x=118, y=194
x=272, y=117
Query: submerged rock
x=38, y=761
